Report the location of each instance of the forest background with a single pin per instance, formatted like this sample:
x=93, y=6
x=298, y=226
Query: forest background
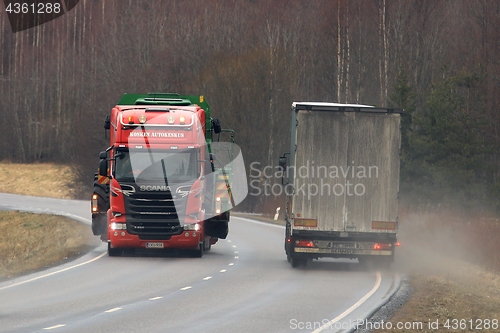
x=251, y=59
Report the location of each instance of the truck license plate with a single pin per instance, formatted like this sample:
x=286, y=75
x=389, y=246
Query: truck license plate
x=154, y=245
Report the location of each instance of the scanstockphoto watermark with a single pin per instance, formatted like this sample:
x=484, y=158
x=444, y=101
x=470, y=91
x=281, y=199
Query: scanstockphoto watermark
x=358, y=324
x=311, y=179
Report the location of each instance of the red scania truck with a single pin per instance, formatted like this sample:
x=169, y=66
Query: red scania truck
x=157, y=185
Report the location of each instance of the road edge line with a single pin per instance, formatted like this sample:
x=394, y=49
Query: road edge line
x=56, y=272
x=354, y=307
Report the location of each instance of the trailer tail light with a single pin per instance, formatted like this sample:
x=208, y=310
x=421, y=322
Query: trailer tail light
x=382, y=246
x=94, y=203
x=303, y=243
x=312, y=223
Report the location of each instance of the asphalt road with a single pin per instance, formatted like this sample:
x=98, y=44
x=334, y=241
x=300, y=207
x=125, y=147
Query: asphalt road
x=243, y=284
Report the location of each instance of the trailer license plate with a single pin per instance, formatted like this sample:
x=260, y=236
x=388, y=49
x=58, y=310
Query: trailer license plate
x=154, y=245
x=344, y=245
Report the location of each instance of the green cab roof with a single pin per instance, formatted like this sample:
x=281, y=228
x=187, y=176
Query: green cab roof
x=165, y=99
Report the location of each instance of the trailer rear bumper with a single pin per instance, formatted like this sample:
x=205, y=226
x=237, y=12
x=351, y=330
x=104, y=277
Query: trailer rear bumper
x=314, y=244
x=343, y=251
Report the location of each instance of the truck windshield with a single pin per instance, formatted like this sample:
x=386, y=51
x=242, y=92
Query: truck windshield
x=147, y=166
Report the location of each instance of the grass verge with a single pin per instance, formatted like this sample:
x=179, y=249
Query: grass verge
x=29, y=242
x=444, y=304
x=452, y=264
x=38, y=179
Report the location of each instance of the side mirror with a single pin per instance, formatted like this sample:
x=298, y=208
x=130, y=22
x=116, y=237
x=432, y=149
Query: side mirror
x=216, y=126
x=103, y=155
x=282, y=163
x=282, y=166
x=103, y=168
x=107, y=122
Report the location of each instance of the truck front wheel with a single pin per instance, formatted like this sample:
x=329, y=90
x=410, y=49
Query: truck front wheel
x=198, y=253
x=113, y=252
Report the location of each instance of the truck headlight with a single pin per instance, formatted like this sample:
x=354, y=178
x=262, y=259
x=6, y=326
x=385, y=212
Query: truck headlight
x=118, y=226
x=192, y=226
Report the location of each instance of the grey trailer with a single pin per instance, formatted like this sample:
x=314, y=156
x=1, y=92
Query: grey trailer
x=342, y=182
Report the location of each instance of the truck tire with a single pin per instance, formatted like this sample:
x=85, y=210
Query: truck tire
x=113, y=252
x=102, y=198
x=198, y=253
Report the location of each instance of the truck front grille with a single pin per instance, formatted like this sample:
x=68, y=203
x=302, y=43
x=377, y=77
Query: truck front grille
x=153, y=213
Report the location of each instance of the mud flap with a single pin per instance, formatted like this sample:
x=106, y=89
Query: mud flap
x=216, y=229
x=99, y=225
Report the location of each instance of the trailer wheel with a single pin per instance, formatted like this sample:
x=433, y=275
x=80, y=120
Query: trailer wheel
x=207, y=244
x=113, y=252
x=384, y=263
x=296, y=262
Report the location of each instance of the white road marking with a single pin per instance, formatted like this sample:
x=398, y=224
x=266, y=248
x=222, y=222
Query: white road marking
x=229, y=241
x=112, y=310
x=231, y=264
x=352, y=308
x=59, y=271
x=234, y=245
x=236, y=257
x=223, y=271
x=207, y=278
x=53, y=327
x=235, y=252
x=155, y=298
x=186, y=288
